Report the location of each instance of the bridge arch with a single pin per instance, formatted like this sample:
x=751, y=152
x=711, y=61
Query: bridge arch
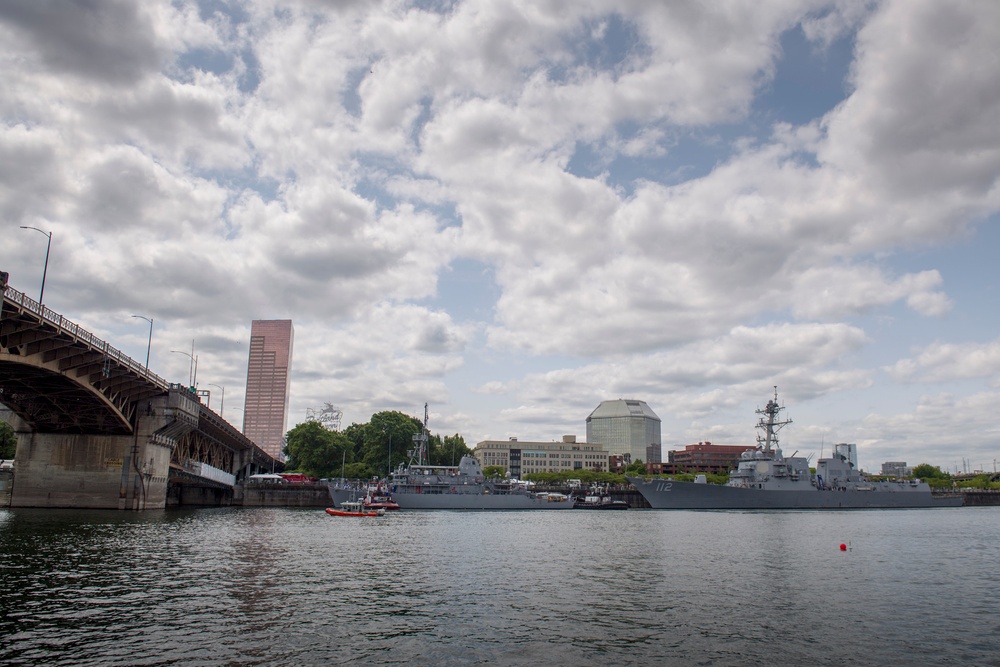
x=60, y=378
x=58, y=402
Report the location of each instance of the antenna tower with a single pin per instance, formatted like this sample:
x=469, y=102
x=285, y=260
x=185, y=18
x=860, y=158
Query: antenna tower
x=420, y=441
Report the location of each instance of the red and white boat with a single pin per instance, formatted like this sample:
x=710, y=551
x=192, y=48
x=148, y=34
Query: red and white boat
x=353, y=508
x=379, y=499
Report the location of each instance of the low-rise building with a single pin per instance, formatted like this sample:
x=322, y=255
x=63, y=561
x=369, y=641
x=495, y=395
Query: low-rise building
x=700, y=457
x=896, y=469
x=520, y=458
x=617, y=464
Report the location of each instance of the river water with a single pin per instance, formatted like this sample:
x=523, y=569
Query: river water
x=241, y=586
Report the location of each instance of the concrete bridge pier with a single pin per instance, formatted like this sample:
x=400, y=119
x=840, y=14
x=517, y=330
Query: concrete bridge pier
x=96, y=471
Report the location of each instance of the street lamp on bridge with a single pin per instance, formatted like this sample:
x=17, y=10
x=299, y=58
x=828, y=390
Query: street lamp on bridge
x=222, y=404
x=45, y=270
x=149, y=343
x=192, y=375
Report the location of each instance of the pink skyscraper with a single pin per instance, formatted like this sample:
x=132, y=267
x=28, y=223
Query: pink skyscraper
x=265, y=413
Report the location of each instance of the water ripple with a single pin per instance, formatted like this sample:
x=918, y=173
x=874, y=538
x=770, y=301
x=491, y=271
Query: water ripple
x=294, y=586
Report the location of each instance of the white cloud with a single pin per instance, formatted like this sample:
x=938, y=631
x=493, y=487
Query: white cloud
x=329, y=162
x=838, y=291
x=920, y=122
x=944, y=429
x=944, y=362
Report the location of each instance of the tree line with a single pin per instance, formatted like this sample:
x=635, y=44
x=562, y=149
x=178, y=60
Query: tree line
x=937, y=478
x=361, y=451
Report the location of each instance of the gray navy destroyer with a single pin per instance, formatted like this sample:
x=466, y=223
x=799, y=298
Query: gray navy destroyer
x=418, y=486
x=766, y=479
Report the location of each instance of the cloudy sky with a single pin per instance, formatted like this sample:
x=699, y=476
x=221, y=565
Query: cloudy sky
x=515, y=210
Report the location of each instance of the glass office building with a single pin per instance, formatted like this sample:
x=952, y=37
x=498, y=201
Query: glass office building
x=265, y=412
x=626, y=427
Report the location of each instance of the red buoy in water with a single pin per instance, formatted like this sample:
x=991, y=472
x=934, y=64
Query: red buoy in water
x=843, y=547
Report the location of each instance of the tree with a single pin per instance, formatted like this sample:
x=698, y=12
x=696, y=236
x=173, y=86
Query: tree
x=979, y=482
x=358, y=471
x=933, y=475
x=635, y=468
x=317, y=451
x=356, y=434
x=378, y=447
x=927, y=471
x=543, y=477
x=449, y=451
x=8, y=441
x=493, y=472
x=387, y=439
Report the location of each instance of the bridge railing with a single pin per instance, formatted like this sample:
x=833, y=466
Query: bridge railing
x=62, y=324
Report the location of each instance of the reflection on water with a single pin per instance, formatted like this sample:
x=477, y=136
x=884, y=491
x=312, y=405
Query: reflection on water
x=295, y=586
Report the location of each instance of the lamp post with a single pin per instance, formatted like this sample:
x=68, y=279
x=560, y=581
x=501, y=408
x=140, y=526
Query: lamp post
x=150, y=341
x=45, y=270
x=222, y=404
x=192, y=376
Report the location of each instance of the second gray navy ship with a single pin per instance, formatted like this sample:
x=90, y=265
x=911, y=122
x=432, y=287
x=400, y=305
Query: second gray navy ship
x=766, y=479
x=462, y=487
x=418, y=486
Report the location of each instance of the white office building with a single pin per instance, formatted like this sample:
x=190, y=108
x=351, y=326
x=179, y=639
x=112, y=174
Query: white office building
x=521, y=458
x=626, y=427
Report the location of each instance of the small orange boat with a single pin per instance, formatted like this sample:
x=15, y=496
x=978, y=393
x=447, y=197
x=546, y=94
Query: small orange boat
x=353, y=508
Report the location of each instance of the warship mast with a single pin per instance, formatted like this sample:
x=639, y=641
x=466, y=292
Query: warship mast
x=770, y=427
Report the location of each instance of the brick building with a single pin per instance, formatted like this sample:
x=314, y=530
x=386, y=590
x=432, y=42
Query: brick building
x=701, y=457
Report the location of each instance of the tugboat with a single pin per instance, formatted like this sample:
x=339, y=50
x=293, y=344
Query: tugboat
x=766, y=479
x=598, y=498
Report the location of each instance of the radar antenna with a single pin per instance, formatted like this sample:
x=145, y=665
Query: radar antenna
x=770, y=426
x=420, y=441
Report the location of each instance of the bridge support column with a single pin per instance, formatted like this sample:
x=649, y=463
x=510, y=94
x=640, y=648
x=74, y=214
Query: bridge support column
x=103, y=471
x=146, y=467
x=70, y=470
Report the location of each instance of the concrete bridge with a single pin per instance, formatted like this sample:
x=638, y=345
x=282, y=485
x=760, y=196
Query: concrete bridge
x=95, y=429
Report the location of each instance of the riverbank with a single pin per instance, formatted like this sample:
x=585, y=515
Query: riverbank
x=317, y=495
